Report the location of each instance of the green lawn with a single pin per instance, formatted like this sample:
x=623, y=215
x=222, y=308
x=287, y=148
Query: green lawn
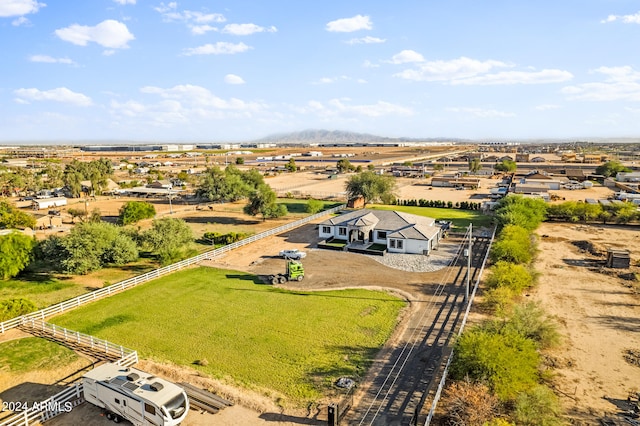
x=34, y=353
x=46, y=289
x=298, y=206
x=459, y=218
x=293, y=343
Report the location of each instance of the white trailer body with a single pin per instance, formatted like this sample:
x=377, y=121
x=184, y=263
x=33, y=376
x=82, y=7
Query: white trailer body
x=47, y=203
x=132, y=394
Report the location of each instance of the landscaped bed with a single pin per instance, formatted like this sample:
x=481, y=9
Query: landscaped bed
x=237, y=329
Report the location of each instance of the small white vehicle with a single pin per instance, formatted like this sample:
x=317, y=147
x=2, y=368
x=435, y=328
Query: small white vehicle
x=294, y=254
x=131, y=394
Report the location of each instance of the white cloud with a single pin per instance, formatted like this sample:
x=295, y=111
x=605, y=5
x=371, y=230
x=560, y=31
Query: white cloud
x=246, y=29
x=60, y=94
x=546, y=107
x=341, y=107
x=233, y=79
x=50, y=59
x=329, y=80
x=449, y=70
x=369, y=64
x=181, y=105
x=517, y=77
x=348, y=25
x=620, y=83
x=481, y=112
x=123, y=2
x=170, y=13
x=20, y=22
x=202, y=29
x=626, y=19
x=19, y=7
x=109, y=33
x=366, y=40
x=406, y=56
x=220, y=48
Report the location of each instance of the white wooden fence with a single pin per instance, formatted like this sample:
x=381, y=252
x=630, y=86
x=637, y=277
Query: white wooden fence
x=156, y=273
x=64, y=401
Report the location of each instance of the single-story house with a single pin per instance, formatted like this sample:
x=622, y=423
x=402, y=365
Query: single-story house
x=400, y=232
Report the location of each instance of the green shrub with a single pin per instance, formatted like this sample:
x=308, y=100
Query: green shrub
x=134, y=211
x=514, y=244
x=314, y=206
x=516, y=210
x=538, y=406
x=15, y=307
x=511, y=275
x=500, y=300
x=507, y=361
x=532, y=322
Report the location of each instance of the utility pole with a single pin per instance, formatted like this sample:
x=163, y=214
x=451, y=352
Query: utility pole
x=170, y=205
x=468, y=286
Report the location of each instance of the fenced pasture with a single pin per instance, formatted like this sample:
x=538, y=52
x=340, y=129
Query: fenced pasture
x=293, y=343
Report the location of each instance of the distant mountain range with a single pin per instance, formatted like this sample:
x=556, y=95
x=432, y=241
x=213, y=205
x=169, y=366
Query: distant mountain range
x=338, y=136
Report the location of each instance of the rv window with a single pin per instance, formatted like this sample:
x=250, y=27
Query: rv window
x=117, y=400
x=124, y=402
x=149, y=409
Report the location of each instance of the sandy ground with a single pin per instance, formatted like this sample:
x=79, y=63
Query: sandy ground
x=598, y=313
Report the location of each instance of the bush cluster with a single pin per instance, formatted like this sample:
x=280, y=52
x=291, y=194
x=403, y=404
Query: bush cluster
x=502, y=354
x=577, y=211
x=216, y=238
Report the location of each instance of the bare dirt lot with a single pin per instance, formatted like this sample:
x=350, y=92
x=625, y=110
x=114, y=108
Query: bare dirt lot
x=599, y=316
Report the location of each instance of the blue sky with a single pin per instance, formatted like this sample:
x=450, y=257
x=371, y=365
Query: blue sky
x=141, y=70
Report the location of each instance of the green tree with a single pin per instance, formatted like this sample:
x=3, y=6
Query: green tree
x=263, y=202
x=240, y=160
x=229, y=185
x=11, y=217
x=291, y=165
x=506, y=166
x=314, y=206
x=475, y=165
x=75, y=213
x=531, y=321
x=168, y=238
x=344, y=165
x=372, y=187
x=134, y=211
x=89, y=247
x=507, y=361
x=611, y=168
x=17, y=253
x=95, y=215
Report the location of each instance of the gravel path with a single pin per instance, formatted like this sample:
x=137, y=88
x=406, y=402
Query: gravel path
x=417, y=262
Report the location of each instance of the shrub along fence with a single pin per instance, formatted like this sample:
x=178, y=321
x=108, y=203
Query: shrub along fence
x=156, y=273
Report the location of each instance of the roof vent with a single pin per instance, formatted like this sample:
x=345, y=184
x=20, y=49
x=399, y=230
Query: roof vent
x=133, y=377
x=156, y=386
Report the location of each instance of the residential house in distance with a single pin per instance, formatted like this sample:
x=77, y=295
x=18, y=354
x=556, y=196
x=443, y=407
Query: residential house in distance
x=400, y=232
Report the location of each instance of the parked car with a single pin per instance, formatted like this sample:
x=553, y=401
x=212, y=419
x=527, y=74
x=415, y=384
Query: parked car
x=293, y=254
x=54, y=212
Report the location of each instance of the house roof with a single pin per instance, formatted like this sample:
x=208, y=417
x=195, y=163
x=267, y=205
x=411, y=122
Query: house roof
x=400, y=224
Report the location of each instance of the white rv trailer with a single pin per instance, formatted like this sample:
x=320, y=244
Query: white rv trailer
x=131, y=394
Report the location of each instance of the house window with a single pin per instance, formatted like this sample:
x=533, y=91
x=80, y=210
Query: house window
x=392, y=243
x=382, y=235
x=342, y=232
x=150, y=409
x=326, y=229
x=399, y=244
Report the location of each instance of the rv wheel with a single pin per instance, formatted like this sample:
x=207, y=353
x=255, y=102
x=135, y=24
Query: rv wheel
x=109, y=415
x=116, y=418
